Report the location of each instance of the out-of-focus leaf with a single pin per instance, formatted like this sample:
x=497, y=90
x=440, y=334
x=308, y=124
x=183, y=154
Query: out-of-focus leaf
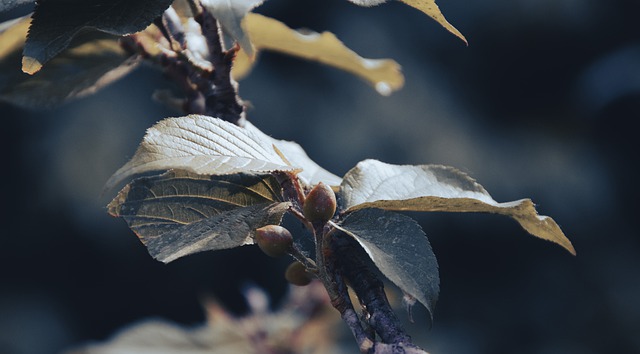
x=55, y=23
x=161, y=337
x=400, y=249
x=429, y=7
x=179, y=213
x=269, y=34
x=230, y=14
x=374, y=184
x=203, y=145
x=312, y=173
x=12, y=36
x=304, y=324
x=6, y=5
x=91, y=62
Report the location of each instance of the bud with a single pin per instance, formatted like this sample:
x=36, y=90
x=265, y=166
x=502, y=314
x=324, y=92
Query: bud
x=296, y=274
x=274, y=240
x=320, y=203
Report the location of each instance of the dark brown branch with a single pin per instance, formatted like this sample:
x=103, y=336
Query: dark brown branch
x=209, y=90
x=219, y=89
x=337, y=289
x=353, y=265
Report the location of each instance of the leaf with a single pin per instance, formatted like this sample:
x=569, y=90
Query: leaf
x=55, y=23
x=230, y=14
x=400, y=249
x=203, y=145
x=429, y=7
x=12, y=36
x=179, y=213
x=311, y=173
x=269, y=34
x=91, y=62
x=303, y=323
x=6, y=5
x=374, y=184
x=161, y=336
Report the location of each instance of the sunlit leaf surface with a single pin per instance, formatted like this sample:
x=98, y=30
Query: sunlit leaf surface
x=374, y=184
x=311, y=173
x=203, y=145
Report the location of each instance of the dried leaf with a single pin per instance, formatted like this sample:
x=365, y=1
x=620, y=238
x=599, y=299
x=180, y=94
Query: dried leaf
x=55, y=23
x=374, y=184
x=230, y=14
x=429, y=7
x=400, y=249
x=90, y=63
x=203, y=145
x=269, y=34
x=180, y=213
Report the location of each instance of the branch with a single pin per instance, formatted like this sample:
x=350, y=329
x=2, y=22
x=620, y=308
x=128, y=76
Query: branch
x=208, y=85
x=219, y=89
x=353, y=264
x=338, y=293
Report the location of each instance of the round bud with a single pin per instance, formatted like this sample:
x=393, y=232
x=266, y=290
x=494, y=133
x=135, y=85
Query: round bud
x=274, y=240
x=296, y=274
x=320, y=203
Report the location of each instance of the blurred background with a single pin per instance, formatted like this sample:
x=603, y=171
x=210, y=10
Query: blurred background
x=543, y=103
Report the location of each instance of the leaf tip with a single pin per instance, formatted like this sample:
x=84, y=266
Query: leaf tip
x=30, y=65
x=431, y=9
x=540, y=226
x=383, y=88
x=569, y=247
x=452, y=29
x=114, y=207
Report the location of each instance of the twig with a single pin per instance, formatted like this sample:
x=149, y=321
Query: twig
x=352, y=264
x=219, y=89
x=194, y=6
x=172, y=26
x=337, y=290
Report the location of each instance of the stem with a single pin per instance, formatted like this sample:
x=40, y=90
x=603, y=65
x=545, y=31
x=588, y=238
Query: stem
x=307, y=262
x=219, y=89
x=338, y=259
x=337, y=288
x=194, y=6
x=293, y=192
x=172, y=28
x=369, y=289
x=209, y=88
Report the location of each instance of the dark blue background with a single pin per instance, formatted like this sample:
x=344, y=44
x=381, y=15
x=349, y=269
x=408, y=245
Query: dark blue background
x=543, y=103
